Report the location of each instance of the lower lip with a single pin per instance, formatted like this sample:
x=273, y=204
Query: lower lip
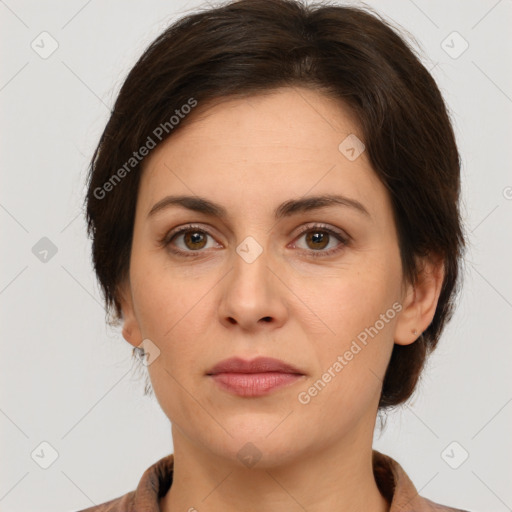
x=254, y=384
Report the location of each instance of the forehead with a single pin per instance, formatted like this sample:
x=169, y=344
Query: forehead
x=284, y=117
x=261, y=148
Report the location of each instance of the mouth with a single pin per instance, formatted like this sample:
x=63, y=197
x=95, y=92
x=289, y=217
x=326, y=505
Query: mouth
x=254, y=378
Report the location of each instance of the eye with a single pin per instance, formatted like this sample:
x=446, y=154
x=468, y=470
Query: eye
x=318, y=237
x=193, y=239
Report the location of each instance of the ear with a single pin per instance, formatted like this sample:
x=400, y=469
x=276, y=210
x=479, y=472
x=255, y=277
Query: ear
x=131, y=330
x=420, y=301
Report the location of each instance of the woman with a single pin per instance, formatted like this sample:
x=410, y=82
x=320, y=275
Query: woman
x=276, y=233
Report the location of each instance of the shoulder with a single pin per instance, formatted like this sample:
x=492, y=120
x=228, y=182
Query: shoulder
x=154, y=483
x=396, y=486
x=123, y=503
x=436, y=507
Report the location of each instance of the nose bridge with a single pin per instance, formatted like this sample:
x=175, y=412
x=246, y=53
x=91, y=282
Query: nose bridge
x=250, y=277
x=251, y=291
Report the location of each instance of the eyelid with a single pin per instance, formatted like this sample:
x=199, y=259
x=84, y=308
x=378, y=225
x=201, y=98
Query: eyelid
x=327, y=227
x=343, y=238
x=341, y=235
x=166, y=239
x=302, y=229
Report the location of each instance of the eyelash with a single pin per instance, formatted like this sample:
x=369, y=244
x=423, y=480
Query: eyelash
x=344, y=240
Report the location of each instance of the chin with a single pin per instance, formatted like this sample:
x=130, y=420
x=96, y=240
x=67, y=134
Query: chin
x=254, y=449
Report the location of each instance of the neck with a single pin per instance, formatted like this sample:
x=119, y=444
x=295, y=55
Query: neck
x=329, y=479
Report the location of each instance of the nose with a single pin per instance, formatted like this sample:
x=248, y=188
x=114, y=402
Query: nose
x=253, y=296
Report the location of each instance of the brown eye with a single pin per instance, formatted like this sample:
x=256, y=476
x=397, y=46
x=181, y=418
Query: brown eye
x=194, y=240
x=317, y=239
x=187, y=241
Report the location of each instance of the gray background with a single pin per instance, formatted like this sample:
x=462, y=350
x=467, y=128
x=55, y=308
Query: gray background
x=68, y=380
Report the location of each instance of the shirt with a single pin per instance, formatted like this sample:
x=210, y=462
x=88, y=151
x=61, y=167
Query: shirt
x=392, y=481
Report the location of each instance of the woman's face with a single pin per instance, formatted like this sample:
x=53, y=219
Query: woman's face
x=320, y=289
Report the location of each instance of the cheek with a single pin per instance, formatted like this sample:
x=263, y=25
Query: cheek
x=168, y=302
x=352, y=301
x=175, y=311
x=354, y=341
x=172, y=313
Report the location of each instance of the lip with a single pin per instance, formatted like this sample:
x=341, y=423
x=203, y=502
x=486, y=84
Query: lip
x=258, y=365
x=258, y=377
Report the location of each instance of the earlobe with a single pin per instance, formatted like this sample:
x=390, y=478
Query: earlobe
x=420, y=303
x=131, y=332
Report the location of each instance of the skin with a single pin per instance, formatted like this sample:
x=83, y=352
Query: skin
x=250, y=155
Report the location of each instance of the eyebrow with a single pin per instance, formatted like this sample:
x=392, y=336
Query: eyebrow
x=286, y=209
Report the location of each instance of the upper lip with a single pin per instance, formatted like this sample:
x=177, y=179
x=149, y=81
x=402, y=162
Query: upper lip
x=258, y=365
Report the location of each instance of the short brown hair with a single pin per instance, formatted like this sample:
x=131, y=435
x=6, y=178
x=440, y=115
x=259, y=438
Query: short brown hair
x=248, y=47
